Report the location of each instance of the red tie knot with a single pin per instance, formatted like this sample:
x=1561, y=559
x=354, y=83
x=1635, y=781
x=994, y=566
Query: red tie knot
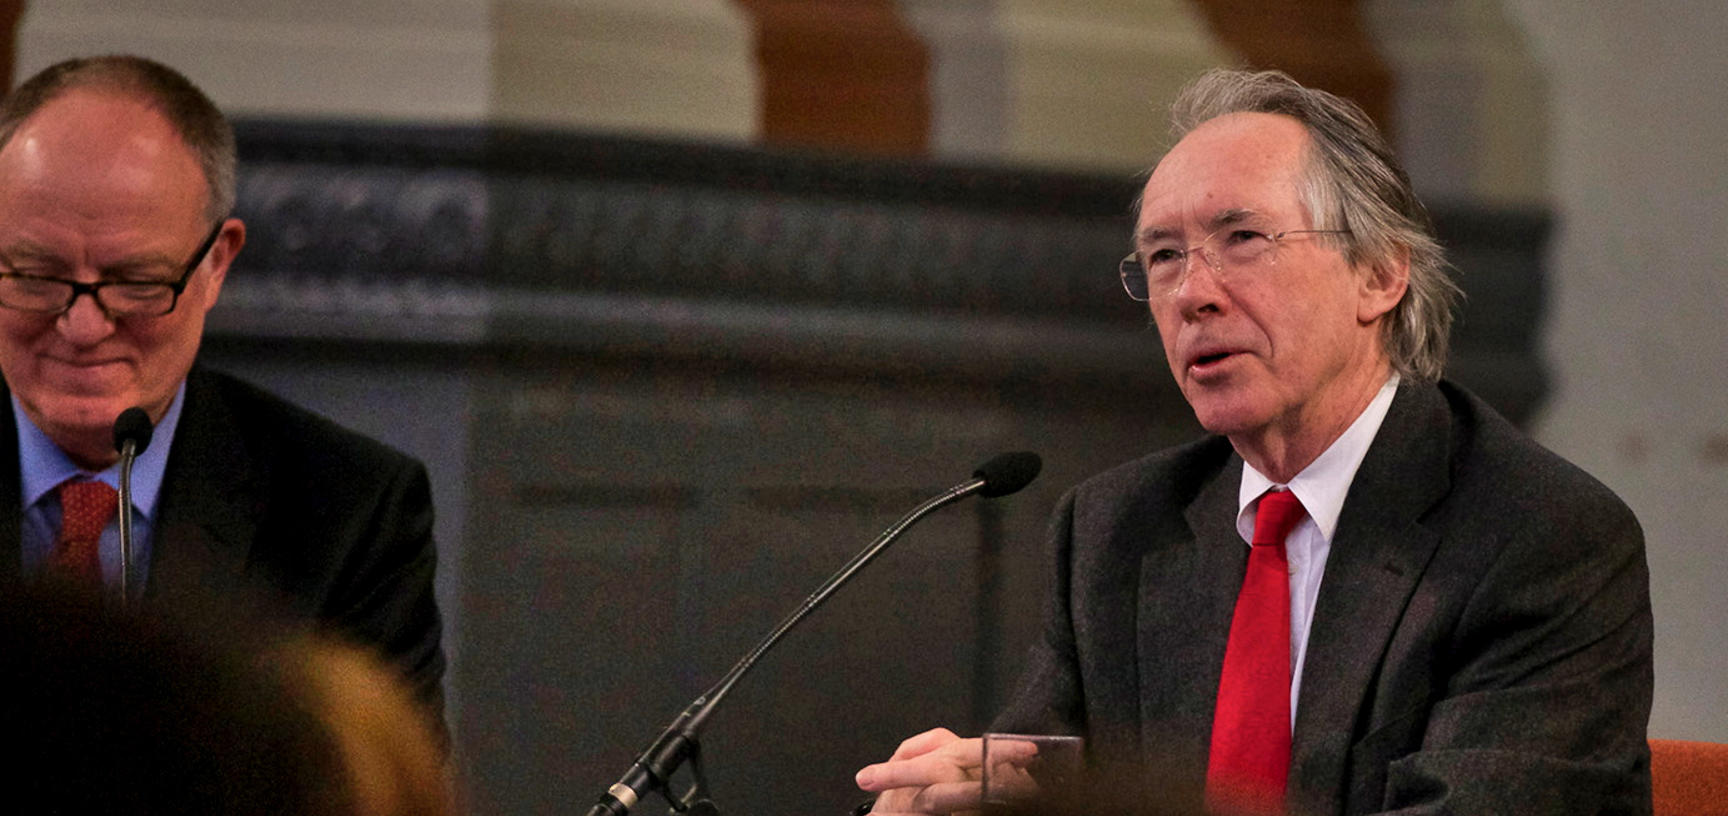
x=1278, y=514
x=85, y=509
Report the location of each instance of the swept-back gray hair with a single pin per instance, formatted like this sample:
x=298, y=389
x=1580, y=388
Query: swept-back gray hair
x=193, y=116
x=1353, y=183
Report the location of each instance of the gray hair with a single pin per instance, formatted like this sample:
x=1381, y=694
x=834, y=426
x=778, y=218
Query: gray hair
x=197, y=120
x=1353, y=183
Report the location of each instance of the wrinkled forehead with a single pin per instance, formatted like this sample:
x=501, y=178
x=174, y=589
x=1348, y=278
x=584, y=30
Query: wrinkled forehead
x=1235, y=168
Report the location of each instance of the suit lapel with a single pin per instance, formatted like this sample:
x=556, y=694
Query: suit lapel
x=1188, y=588
x=11, y=488
x=211, y=495
x=1377, y=556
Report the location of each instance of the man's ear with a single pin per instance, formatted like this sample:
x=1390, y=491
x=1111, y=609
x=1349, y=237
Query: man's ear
x=222, y=253
x=1383, y=285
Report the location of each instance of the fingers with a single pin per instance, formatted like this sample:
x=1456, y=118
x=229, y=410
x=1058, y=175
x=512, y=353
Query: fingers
x=955, y=760
x=930, y=769
x=942, y=798
x=1015, y=752
x=923, y=743
x=1009, y=783
x=935, y=772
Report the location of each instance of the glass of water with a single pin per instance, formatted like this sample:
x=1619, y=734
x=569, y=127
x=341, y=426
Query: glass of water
x=1026, y=771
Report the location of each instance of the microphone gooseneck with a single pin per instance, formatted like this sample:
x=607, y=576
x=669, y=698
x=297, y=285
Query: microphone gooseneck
x=132, y=432
x=653, y=769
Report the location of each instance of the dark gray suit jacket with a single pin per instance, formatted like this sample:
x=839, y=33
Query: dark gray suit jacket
x=260, y=495
x=1481, y=641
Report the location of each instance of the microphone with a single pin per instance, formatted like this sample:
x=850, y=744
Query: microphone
x=1007, y=473
x=133, y=425
x=1004, y=474
x=132, y=432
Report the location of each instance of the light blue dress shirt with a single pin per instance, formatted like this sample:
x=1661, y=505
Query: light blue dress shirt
x=43, y=466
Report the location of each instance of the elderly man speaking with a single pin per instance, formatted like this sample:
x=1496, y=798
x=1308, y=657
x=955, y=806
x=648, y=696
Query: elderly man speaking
x=1366, y=591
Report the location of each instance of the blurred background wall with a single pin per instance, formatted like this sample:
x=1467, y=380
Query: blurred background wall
x=685, y=300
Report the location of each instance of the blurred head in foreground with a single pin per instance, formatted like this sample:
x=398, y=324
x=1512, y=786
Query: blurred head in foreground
x=195, y=713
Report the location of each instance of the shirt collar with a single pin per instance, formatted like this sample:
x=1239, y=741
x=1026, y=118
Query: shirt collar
x=43, y=466
x=1323, y=484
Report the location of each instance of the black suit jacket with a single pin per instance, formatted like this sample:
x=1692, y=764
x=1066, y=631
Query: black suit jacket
x=260, y=495
x=1481, y=640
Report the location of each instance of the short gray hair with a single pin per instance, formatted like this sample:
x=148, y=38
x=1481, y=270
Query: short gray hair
x=1353, y=183
x=197, y=120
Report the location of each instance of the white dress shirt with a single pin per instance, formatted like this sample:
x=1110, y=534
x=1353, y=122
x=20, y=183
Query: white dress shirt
x=1321, y=487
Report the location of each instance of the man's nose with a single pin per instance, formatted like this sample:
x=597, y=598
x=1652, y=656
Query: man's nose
x=85, y=321
x=1199, y=290
x=1191, y=268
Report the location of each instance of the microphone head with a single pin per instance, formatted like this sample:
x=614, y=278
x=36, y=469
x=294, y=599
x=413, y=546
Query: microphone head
x=135, y=425
x=1007, y=473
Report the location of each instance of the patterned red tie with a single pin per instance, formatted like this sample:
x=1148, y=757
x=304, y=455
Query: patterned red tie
x=1250, y=757
x=85, y=508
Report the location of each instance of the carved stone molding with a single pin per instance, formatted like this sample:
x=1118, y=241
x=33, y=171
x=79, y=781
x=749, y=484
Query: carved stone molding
x=494, y=238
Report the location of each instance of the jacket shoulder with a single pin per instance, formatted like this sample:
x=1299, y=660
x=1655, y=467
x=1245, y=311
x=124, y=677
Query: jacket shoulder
x=1490, y=454
x=1173, y=474
x=284, y=431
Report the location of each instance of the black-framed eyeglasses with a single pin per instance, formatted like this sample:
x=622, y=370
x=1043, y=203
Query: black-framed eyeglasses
x=117, y=298
x=1229, y=250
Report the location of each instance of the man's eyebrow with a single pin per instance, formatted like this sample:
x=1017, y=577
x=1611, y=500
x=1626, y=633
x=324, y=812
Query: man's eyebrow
x=1220, y=219
x=1233, y=215
x=28, y=249
x=143, y=259
x=32, y=251
x=1154, y=234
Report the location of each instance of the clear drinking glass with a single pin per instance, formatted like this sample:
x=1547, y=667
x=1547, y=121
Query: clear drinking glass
x=1022, y=769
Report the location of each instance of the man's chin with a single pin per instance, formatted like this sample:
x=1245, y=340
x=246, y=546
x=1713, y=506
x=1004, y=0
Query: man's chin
x=80, y=414
x=1226, y=416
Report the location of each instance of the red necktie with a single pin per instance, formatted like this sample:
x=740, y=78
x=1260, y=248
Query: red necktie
x=85, y=508
x=1250, y=757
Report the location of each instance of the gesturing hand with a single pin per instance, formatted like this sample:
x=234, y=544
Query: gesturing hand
x=935, y=772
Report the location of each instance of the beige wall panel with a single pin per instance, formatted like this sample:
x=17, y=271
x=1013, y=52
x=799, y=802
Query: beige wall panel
x=675, y=68
x=1635, y=329
x=1471, y=99
x=969, y=94
x=1090, y=84
x=411, y=60
x=1516, y=140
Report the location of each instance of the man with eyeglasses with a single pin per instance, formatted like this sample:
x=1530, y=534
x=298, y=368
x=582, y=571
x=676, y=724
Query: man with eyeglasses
x=1366, y=591
x=117, y=183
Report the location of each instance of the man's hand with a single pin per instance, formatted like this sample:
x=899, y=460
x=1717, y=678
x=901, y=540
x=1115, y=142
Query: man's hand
x=935, y=772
